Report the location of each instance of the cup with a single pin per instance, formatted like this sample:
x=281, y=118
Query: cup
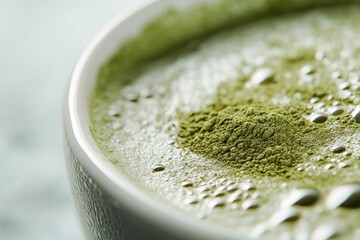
x=109, y=204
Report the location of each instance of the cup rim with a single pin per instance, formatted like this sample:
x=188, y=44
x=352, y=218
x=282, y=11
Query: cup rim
x=106, y=175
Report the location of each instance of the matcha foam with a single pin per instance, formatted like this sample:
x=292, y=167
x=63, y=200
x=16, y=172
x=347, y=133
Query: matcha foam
x=241, y=127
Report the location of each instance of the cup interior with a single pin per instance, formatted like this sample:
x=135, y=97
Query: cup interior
x=83, y=81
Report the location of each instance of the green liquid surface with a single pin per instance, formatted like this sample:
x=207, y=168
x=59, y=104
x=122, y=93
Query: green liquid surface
x=253, y=128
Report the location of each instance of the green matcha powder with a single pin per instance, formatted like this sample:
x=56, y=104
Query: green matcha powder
x=255, y=138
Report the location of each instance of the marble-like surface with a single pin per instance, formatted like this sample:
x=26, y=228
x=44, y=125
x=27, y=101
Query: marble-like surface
x=40, y=41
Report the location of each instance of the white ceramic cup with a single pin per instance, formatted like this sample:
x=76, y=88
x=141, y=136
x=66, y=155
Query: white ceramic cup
x=110, y=206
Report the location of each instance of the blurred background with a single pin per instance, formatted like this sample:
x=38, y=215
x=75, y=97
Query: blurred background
x=40, y=42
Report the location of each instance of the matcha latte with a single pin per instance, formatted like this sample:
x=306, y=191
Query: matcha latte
x=243, y=114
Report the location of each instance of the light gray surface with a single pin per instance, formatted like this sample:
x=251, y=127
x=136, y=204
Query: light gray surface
x=40, y=41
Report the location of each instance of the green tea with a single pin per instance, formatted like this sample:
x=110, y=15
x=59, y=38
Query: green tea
x=243, y=114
